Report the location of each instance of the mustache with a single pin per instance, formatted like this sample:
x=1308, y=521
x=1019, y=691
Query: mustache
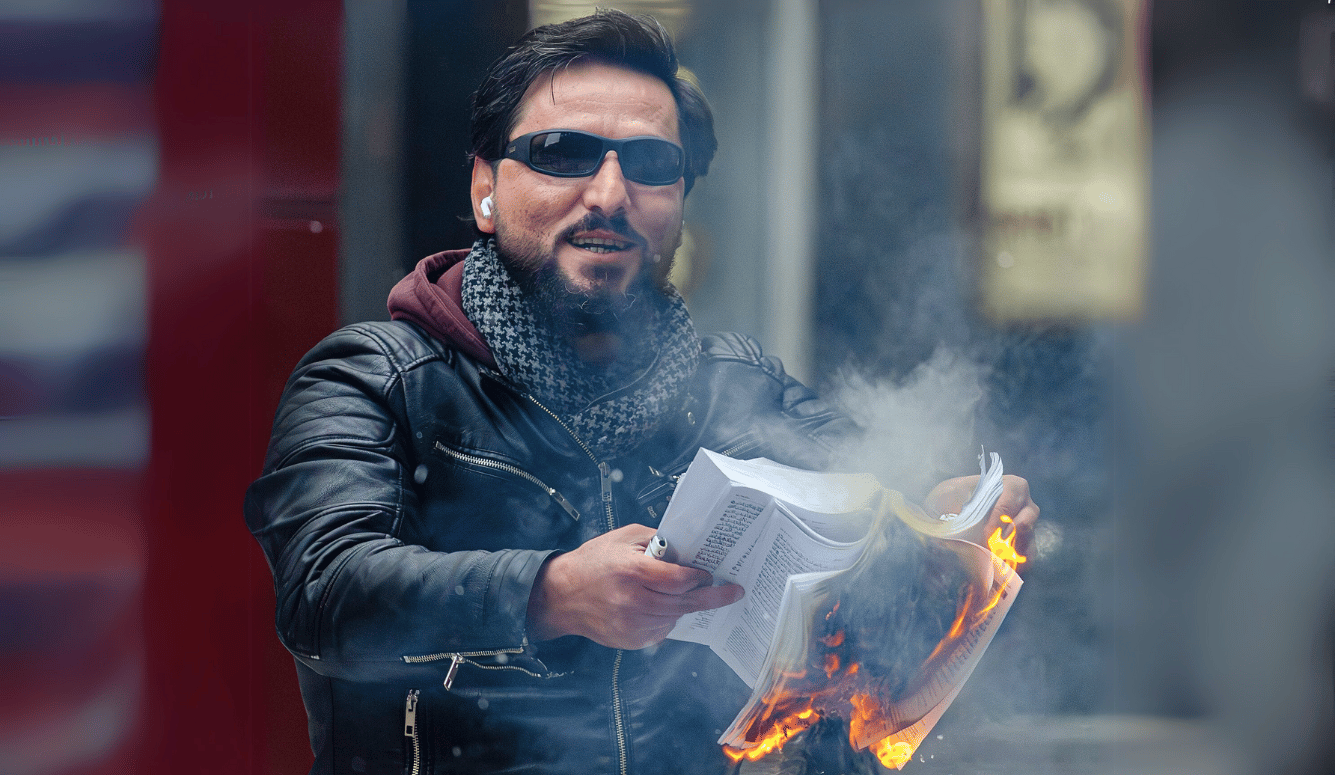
x=594, y=221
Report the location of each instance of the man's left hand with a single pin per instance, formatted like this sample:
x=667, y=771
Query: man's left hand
x=949, y=497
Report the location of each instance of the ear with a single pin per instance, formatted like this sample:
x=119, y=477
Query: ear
x=483, y=186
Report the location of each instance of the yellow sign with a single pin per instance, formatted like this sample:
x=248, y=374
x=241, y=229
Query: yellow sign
x=1064, y=182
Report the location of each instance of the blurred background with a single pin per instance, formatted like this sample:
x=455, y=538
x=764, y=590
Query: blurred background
x=1113, y=218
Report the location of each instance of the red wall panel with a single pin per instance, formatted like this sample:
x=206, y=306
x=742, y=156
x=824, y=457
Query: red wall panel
x=241, y=284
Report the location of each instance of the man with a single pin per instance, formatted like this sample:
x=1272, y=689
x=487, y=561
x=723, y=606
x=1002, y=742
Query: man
x=455, y=504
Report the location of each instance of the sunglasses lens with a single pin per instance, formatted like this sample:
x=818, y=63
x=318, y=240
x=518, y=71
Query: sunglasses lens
x=644, y=160
x=565, y=153
x=652, y=162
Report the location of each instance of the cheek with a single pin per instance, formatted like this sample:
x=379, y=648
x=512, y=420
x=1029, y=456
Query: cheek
x=661, y=216
x=533, y=204
x=529, y=219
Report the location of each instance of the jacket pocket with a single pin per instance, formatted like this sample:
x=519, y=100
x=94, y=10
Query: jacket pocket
x=496, y=465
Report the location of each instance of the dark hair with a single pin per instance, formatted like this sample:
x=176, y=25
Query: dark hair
x=614, y=37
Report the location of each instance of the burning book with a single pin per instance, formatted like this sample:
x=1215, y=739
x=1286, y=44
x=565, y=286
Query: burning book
x=820, y=633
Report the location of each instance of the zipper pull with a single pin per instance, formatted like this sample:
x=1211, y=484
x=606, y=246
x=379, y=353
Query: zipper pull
x=455, y=659
x=410, y=715
x=563, y=503
x=605, y=477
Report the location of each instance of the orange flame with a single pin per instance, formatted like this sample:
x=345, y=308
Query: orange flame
x=779, y=733
x=893, y=755
x=866, y=710
x=1004, y=548
x=791, y=711
x=956, y=627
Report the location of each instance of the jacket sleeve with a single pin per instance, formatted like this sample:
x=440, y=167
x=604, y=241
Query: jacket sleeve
x=353, y=601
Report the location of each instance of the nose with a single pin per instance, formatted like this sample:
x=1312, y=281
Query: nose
x=607, y=190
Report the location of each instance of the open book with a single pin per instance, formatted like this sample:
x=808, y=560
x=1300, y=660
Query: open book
x=789, y=536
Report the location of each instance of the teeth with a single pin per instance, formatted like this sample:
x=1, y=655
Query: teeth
x=599, y=245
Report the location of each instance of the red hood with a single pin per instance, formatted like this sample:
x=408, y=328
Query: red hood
x=430, y=297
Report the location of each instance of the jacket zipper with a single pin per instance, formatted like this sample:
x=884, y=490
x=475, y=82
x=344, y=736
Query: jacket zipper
x=728, y=452
x=605, y=485
x=509, y=469
x=618, y=719
x=459, y=657
x=410, y=730
x=561, y=423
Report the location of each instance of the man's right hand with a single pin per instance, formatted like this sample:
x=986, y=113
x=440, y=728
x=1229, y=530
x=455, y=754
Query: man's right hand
x=607, y=590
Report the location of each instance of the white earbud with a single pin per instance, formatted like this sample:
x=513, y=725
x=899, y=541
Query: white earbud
x=485, y=205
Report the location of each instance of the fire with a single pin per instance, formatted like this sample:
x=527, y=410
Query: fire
x=956, y=627
x=801, y=699
x=893, y=755
x=867, y=710
x=779, y=733
x=1004, y=548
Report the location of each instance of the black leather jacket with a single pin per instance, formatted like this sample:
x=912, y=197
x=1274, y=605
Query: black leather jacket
x=410, y=496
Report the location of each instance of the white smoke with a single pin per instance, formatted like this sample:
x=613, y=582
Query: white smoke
x=917, y=431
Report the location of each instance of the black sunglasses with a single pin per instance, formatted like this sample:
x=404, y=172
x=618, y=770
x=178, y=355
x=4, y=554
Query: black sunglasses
x=568, y=153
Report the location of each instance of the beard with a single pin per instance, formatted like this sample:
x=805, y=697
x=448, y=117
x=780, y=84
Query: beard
x=573, y=311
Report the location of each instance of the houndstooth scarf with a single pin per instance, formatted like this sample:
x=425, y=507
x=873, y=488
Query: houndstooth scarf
x=612, y=411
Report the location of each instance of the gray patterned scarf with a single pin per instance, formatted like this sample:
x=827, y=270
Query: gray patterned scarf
x=612, y=410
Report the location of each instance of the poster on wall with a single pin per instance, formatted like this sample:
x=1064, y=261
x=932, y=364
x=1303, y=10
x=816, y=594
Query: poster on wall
x=1064, y=179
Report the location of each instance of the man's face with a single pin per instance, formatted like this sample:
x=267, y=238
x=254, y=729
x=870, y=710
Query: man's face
x=603, y=235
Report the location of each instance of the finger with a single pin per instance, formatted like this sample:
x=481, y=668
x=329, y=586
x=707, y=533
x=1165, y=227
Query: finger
x=1025, y=523
x=1013, y=502
x=672, y=607
x=633, y=534
x=713, y=597
x=672, y=579
x=1014, y=492
x=1027, y=516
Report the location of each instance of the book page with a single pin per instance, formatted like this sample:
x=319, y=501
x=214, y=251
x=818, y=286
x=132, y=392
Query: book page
x=803, y=596
x=994, y=587
x=709, y=514
x=728, y=553
x=742, y=635
x=813, y=491
x=912, y=717
x=941, y=678
x=718, y=505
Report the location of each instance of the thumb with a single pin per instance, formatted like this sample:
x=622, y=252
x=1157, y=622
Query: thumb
x=705, y=598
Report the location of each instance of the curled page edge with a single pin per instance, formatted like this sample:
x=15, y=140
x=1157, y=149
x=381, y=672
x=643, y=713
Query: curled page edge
x=965, y=524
